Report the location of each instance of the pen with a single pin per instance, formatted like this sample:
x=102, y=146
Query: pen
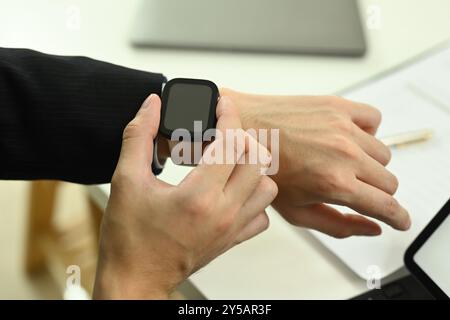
x=407, y=137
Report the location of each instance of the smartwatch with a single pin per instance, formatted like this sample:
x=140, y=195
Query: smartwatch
x=186, y=102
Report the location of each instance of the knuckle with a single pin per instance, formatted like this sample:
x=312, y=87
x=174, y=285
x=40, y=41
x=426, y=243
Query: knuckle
x=328, y=182
x=225, y=224
x=385, y=154
x=347, y=189
x=197, y=205
x=388, y=155
x=131, y=130
x=390, y=207
x=377, y=115
x=333, y=100
x=334, y=185
x=345, y=147
x=394, y=184
x=264, y=155
x=269, y=187
x=341, y=123
x=265, y=222
x=374, y=113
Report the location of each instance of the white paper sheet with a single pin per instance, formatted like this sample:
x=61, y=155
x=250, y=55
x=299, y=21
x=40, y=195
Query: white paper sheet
x=414, y=97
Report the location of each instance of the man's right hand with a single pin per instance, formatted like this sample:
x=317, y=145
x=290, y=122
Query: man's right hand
x=154, y=235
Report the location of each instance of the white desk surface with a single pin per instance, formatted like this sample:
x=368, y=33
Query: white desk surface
x=283, y=262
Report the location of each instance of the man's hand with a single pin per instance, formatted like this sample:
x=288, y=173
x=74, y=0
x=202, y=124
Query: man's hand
x=328, y=154
x=154, y=235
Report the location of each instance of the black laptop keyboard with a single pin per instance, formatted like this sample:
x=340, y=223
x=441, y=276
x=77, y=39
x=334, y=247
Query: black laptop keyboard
x=406, y=288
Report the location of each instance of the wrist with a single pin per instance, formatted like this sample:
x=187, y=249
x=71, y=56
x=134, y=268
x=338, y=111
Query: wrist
x=113, y=284
x=122, y=274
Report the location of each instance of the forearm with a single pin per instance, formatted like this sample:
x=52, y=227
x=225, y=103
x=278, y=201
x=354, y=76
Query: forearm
x=63, y=117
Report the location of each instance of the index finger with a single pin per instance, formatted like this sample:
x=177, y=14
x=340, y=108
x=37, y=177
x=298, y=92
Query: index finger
x=373, y=202
x=221, y=156
x=248, y=173
x=366, y=117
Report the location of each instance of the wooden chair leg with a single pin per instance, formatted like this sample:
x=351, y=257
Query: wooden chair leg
x=96, y=214
x=40, y=214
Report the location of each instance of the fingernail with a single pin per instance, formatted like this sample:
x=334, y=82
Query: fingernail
x=222, y=102
x=148, y=101
x=375, y=232
x=407, y=223
x=221, y=106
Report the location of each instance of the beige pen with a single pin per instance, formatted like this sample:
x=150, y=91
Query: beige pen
x=409, y=137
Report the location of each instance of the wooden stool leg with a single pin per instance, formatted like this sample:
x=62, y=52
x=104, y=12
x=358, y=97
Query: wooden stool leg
x=40, y=213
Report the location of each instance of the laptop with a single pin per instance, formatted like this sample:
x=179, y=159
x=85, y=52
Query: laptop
x=284, y=26
x=428, y=261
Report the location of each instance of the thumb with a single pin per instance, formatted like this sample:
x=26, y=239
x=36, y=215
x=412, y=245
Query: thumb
x=138, y=136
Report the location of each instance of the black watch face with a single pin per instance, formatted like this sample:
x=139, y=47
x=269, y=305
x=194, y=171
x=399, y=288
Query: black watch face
x=186, y=101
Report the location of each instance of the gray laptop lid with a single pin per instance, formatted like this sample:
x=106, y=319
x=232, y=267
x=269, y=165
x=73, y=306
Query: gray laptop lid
x=290, y=26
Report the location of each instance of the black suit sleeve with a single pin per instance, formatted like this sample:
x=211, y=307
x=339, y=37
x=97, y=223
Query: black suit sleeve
x=63, y=117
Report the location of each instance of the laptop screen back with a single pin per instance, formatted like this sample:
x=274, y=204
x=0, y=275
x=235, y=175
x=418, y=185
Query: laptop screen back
x=287, y=26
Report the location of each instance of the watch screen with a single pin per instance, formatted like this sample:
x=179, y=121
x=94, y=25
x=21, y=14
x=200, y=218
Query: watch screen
x=187, y=103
